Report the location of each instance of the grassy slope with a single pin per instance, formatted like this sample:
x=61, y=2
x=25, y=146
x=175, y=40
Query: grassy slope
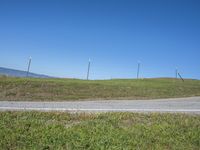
x=37, y=130
x=72, y=89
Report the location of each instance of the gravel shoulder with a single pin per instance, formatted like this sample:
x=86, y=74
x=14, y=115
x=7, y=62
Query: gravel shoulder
x=184, y=105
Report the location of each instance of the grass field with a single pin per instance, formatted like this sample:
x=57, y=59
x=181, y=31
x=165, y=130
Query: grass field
x=45, y=130
x=74, y=89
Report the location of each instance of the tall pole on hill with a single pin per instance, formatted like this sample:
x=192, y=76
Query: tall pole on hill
x=29, y=64
x=88, y=71
x=138, y=70
x=176, y=71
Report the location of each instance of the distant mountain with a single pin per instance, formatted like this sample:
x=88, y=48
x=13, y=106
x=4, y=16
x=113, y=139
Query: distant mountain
x=19, y=73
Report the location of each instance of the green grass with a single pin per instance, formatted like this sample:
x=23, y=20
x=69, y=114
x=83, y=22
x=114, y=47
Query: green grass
x=74, y=89
x=45, y=130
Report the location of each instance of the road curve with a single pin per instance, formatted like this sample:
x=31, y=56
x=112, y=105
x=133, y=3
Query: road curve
x=182, y=105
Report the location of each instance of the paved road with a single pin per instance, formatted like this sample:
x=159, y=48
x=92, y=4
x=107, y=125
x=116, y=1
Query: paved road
x=184, y=105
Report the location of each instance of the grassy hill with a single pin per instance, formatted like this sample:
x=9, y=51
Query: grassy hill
x=74, y=89
x=39, y=130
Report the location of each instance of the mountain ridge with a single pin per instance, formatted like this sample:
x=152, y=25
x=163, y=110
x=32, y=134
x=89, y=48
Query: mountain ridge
x=20, y=73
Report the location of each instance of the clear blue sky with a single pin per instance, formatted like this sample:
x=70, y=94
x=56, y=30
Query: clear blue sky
x=61, y=35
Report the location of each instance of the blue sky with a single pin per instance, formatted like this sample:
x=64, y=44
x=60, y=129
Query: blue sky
x=62, y=35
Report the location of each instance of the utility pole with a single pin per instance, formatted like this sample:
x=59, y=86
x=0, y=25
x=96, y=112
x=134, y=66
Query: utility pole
x=29, y=64
x=138, y=70
x=176, y=72
x=88, y=71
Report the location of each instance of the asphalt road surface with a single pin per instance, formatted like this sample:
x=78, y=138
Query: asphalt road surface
x=182, y=105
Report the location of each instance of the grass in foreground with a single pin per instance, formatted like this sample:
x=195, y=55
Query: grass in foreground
x=40, y=130
x=73, y=89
